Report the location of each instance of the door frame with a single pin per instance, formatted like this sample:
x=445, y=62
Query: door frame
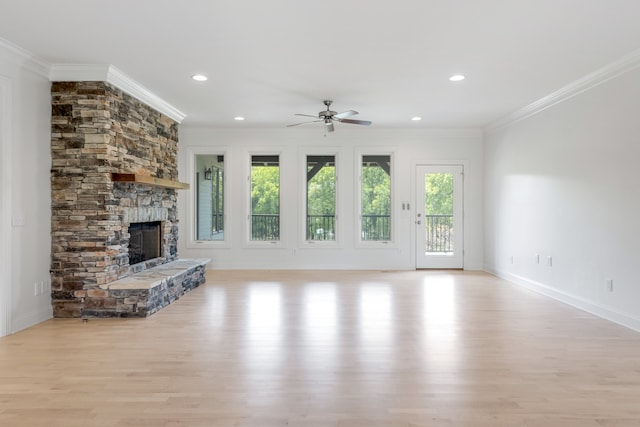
x=414, y=201
x=6, y=232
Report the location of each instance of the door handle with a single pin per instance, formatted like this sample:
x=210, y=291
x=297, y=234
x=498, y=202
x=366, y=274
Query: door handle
x=418, y=222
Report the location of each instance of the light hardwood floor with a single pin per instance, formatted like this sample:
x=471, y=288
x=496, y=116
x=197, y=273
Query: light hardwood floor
x=326, y=348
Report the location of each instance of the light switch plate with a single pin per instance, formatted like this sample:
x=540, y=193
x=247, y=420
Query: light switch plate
x=18, y=221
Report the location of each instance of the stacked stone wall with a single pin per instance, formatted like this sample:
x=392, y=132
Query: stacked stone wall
x=97, y=130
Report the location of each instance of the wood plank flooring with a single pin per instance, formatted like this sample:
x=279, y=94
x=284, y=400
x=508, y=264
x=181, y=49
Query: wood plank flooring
x=327, y=348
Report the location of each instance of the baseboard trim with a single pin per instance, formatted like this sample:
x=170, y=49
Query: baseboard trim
x=30, y=319
x=474, y=267
x=620, y=318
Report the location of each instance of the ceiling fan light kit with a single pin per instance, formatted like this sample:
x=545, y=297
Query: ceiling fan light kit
x=328, y=117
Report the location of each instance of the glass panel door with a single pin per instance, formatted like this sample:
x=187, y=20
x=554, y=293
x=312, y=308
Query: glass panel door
x=439, y=242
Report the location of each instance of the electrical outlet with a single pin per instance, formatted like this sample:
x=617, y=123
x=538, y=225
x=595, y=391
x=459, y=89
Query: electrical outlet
x=609, y=285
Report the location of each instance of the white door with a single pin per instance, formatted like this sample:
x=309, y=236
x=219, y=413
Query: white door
x=439, y=233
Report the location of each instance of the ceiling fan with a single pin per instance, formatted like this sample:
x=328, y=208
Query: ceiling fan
x=328, y=117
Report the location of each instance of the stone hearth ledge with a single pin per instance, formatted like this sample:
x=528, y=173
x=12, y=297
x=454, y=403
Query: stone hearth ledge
x=155, y=276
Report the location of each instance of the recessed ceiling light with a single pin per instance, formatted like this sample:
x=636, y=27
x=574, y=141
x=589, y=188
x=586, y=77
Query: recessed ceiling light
x=456, y=78
x=199, y=78
x=238, y=118
x=416, y=118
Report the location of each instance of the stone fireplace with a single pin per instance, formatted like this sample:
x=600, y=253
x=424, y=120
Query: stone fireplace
x=114, y=163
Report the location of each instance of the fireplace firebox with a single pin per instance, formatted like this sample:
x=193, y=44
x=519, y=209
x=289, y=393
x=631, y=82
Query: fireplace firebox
x=145, y=241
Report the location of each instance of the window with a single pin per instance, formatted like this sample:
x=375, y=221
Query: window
x=375, y=198
x=265, y=198
x=321, y=198
x=209, y=197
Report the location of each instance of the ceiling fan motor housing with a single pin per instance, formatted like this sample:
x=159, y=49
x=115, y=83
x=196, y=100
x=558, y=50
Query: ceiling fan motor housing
x=327, y=114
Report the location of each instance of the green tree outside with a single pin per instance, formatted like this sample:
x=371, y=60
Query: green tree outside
x=376, y=191
x=265, y=190
x=321, y=201
x=375, y=202
x=321, y=192
x=439, y=194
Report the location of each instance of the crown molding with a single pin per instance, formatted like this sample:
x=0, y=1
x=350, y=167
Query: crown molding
x=135, y=89
x=25, y=58
x=590, y=81
x=110, y=74
x=79, y=72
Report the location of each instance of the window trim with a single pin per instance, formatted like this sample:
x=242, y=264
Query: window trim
x=192, y=153
x=303, y=153
x=374, y=244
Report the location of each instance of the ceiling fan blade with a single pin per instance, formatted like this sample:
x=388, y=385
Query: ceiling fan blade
x=344, y=114
x=305, y=115
x=330, y=127
x=355, y=122
x=302, y=123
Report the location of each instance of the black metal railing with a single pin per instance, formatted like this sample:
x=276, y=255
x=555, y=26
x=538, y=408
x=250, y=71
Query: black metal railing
x=265, y=227
x=439, y=233
x=321, y=227
x=376, y=227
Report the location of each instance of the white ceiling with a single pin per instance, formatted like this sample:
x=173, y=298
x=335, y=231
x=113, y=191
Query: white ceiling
x=390, y=60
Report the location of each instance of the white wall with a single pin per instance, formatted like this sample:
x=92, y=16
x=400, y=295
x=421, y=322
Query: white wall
x=564, y=183
x=25, y=181
x=409, y=147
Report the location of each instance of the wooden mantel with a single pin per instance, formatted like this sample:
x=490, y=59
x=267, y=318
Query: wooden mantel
x=149, y=180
